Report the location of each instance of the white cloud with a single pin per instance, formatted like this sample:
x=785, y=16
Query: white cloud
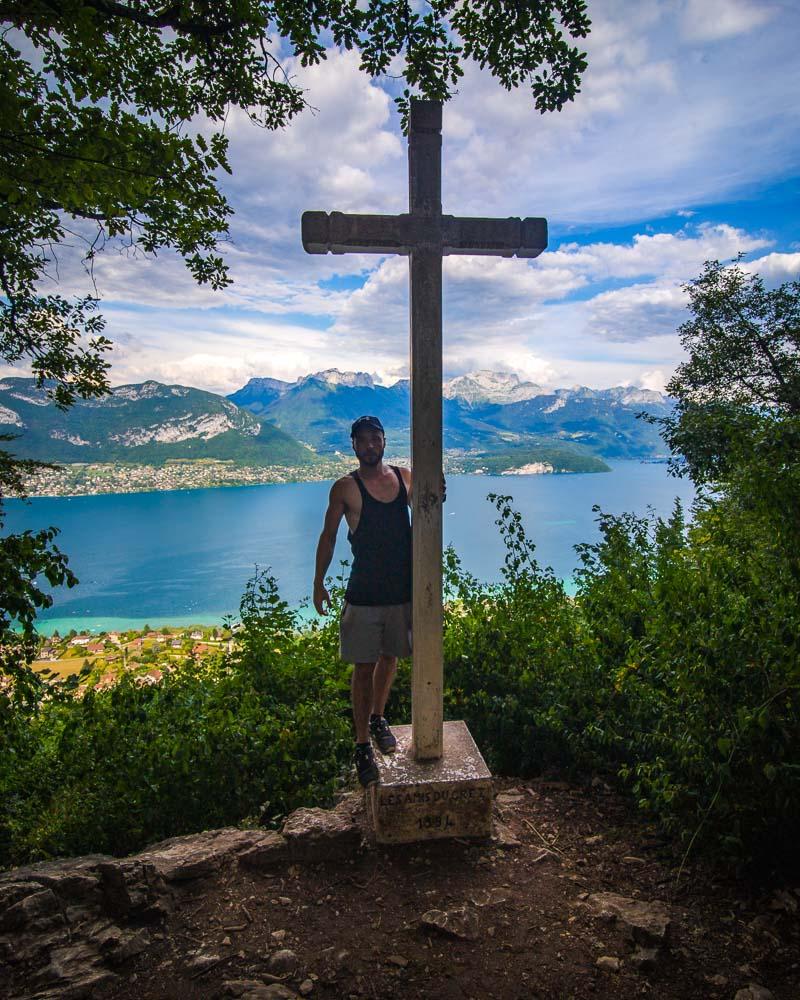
x=684, y=104
x=712, y=20
x=775, y=267
x=665, y=254
x=655, y=380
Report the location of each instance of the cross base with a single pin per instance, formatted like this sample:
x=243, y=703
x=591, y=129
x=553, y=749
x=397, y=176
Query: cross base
x=426, y=800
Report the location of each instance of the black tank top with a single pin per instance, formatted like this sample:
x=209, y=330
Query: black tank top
x=381, y=545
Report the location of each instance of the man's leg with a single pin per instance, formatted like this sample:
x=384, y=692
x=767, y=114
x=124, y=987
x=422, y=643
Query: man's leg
x=361, y=694
x=385, y=669
x=382, y=679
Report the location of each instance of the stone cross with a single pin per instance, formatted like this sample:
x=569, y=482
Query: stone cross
x=424, y=234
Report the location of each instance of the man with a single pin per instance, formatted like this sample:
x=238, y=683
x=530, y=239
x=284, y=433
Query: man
x=375, y=626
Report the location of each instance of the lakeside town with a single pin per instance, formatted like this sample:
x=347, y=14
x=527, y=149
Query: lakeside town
x=145, y=653
x=91, y=478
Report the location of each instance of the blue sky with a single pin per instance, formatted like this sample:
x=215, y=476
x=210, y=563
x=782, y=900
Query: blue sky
x=682, y=146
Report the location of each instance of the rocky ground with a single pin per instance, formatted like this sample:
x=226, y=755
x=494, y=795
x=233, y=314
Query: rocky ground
x=573, y=897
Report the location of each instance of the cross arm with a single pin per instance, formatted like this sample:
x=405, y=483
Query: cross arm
x=494, y=237
x=337, y=232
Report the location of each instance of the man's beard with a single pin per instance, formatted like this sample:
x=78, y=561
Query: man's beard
x=371, y=458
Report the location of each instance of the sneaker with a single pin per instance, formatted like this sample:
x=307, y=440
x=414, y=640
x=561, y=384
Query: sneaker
x=384, y=738
x=366, y=768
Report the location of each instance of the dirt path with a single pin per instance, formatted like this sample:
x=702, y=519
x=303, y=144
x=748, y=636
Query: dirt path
x=533, y=925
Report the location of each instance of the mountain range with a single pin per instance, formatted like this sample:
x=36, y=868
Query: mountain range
x=485, y=411
x=146, y=423
x=491, y=416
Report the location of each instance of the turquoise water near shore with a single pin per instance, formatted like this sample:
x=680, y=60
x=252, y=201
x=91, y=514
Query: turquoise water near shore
x=184, y=557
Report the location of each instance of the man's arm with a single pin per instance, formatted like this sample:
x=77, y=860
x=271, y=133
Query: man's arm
x=326, y=545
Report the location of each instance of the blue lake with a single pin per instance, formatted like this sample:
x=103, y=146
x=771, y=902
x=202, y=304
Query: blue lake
x=184, y=557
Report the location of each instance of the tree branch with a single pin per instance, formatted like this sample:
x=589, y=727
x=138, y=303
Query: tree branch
x=169, y=17
x=46, y=151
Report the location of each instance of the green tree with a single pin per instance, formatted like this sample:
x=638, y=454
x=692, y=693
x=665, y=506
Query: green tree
x=738, y=392
x=111, y=117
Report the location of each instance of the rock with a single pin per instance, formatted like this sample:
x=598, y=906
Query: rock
x=33, y=906
x=461, y=922
x=509, y=799
x=13, y=892
x=502, y=836
x=237, y=987
x=397, y=960
x=753, y=991
x=608, y=962
x=491, y=897
x=783, y=901
x=647, y=923
x=270, y=851
x=74, y=970
x=256, y=989
x=201, y=961
x=283, y=961
x=226, y=941
x=278, y=935
x=306, y=987
x=274, y=992
x=133, y=888
x=644, y=959
x=198, y=855
x=321, y=835
x=120, y=945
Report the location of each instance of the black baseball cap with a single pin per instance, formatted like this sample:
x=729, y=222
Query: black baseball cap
x=366, y=422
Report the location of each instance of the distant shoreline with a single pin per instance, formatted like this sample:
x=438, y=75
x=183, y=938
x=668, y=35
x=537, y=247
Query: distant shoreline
x=108, y=478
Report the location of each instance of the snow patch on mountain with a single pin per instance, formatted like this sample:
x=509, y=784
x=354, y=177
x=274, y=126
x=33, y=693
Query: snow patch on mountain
x=10, y=417
x=332, y=376
x=490, y=387
x=145, y=390
x=208, y=425
x=36, y=400
x=71, y=438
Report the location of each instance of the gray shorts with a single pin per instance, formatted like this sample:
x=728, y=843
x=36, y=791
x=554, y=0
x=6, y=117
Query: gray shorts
x=366, y=632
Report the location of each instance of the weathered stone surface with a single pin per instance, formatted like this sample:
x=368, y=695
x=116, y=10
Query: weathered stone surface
x=13, y=892
x=57, y=935
x=120, y=945
x=283, y=961
x=503, y=837
x=133, y=887
x=644, y=959
x=646, y=922
x=198, y=855
x=36, y=905
x=275, y=991
x=271, y=851
x=461, y=922
x=201, y=961
x=509, y=799
x=236, y=987
x=321, y=835
x=609, y=963
x=753, y=991
x=490, y=897
x=422, y=800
